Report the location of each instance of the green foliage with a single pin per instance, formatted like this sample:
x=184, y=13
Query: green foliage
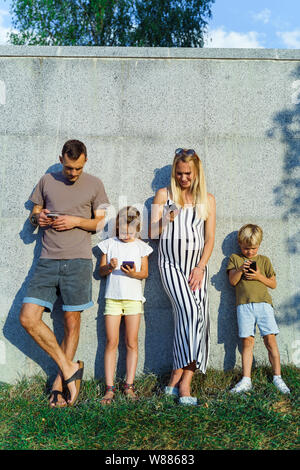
x=169, y=23
x=70, y=23
x=159, y=23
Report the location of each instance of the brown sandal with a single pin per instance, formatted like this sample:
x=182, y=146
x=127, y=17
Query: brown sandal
x=107, y=401
x=129, y=391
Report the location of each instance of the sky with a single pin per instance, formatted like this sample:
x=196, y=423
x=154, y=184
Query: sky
x=235, y=23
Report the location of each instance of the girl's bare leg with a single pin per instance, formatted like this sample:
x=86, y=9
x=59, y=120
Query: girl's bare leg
x=132, y=324
x=112, y=327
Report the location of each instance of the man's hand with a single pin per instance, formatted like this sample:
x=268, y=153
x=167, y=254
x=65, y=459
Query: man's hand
x=42, y=218
x=65, y=222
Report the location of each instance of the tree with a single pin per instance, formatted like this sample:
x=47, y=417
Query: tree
x=158, y=23
x=71, y=22
x=169, y=23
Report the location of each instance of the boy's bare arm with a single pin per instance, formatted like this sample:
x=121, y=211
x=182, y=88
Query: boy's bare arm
x=235, y=276
x=258, y=276
x=269, y=282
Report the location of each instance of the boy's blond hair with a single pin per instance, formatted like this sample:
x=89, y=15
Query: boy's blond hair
x=250, y=235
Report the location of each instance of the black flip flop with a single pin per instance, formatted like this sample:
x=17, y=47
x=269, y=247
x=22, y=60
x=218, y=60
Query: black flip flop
x=77, y=378
x=54, y=402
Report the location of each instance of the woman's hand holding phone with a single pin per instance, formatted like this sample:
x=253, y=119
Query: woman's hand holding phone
x=172, y=213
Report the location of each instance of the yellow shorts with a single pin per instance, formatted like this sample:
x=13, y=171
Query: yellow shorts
x=123, y=307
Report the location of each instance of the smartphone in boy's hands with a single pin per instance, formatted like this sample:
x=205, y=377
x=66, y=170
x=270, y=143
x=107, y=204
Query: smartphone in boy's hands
x=252, y=266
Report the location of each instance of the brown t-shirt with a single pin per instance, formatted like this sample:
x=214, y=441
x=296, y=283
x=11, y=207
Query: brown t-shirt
x=55, y=193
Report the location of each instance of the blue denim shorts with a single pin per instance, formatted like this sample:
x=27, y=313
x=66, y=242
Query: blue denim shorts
x=260, y=314
x=71, y=278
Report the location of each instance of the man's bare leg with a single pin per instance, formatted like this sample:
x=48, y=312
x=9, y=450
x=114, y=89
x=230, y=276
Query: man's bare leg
x=69, y=346
x=31, y=320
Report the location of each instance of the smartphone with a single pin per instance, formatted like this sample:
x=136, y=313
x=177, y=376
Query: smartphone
x=51, y=215
x=253, y=265
x=125, y=264
x=173, y=208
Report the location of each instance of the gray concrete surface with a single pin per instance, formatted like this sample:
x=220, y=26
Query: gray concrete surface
x=132, y=107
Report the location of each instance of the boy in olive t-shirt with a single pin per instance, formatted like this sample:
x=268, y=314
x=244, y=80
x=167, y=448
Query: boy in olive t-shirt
x=252, y=274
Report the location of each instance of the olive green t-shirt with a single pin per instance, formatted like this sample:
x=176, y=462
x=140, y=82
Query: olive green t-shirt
x=252, y=291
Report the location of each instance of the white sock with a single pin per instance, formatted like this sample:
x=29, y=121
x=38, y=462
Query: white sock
x=276, y=376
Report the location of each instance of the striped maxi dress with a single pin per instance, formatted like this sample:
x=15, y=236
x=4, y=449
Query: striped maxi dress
x=180, y=248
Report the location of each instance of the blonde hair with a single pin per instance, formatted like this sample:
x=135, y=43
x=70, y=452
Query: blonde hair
x=198, y=186
x=250, y=235
x=129, y=215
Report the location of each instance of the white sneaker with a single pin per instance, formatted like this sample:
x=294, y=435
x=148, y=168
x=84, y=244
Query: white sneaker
x=173, y=391
x=281, y=385
x=188, y=401
x=243, y=385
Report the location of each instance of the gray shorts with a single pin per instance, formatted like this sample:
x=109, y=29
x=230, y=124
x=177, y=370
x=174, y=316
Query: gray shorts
x=260, y=314
x=71, y=278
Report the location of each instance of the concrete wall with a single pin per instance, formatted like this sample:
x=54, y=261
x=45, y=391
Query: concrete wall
x=132, y=107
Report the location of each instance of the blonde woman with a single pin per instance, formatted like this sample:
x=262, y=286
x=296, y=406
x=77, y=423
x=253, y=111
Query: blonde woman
x=184, y=215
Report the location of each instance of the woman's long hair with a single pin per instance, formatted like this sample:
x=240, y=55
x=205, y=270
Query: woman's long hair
x=198, y=186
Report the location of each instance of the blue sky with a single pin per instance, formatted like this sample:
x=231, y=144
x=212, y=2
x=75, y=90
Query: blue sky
x=235, y=23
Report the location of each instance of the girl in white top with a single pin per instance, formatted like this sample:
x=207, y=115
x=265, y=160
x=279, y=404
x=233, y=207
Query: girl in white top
x=123, y=295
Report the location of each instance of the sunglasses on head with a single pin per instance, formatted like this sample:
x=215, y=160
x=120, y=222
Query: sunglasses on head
x=187, y=152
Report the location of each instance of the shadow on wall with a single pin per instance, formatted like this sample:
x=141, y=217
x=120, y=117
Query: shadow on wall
x=287, y=193
x=227, y=321
x=12, y=330
x=159, y=325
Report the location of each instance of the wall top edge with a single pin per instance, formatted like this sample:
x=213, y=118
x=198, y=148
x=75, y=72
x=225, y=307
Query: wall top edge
x=147, y=52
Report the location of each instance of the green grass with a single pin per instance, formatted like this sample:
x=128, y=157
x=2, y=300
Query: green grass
x=260, y=419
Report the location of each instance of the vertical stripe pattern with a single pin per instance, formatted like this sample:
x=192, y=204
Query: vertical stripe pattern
x=180, y=249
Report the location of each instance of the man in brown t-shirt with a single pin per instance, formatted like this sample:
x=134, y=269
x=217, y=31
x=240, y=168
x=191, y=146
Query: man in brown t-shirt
x=68, y=206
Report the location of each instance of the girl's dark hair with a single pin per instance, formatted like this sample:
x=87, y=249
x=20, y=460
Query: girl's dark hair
x=129, y=214
x=73, y=149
